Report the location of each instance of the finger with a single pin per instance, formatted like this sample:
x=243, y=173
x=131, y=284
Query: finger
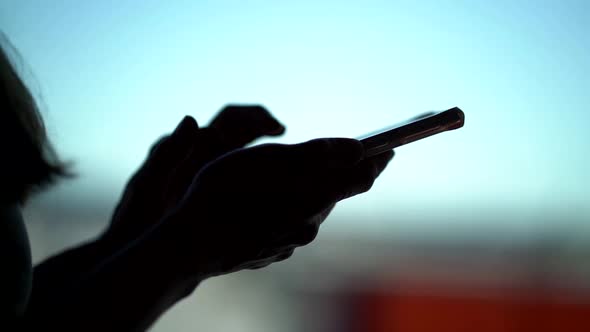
x=165, y=154
x=363, y=177
x=242, y=124
x=206, y=147
x=257, y=265
x=295, y=235
x=155, y=148
x=278, y=257
x=252, y=254
x=347, y=183
x=285, y=255
x=171, y=149
x=328, y=152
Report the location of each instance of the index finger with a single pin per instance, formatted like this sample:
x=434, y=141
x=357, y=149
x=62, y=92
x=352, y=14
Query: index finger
x=242, y=124
x=327, y=152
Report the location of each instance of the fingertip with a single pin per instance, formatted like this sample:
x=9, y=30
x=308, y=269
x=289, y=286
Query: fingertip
x=362, y=177
x=188, y=123
x=380, y=162
x=346, y=151
x=350, y=149
x=270, y=123
x=389, y=155
x=277, y=130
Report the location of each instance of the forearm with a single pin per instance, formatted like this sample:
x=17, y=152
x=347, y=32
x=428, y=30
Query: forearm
x=128, y=290
x=55, y=275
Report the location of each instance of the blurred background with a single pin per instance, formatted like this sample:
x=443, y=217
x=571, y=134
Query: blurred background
x=485, y=228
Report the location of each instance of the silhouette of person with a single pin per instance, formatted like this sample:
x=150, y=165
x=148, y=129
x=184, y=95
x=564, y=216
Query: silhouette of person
x=201, y=205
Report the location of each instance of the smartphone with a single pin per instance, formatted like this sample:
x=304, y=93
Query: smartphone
x=411, y=131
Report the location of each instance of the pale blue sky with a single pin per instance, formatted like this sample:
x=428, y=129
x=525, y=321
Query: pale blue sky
x=114, y=75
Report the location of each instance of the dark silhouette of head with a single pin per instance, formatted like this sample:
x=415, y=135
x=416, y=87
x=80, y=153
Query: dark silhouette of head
x=28, y=162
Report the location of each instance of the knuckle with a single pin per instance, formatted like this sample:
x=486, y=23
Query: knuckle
x=285, y=256
x=317, y=146
x=229, y=108
x=258, y=266
x=368, y=177
x=161, y=143
x=366, y=184
x=309, y=235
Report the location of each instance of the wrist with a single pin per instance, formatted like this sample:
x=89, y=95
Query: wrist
x=188, y=248
x=154, y=258
x=177, y=249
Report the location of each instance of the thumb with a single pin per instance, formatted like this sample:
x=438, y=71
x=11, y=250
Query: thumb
x=335, y=152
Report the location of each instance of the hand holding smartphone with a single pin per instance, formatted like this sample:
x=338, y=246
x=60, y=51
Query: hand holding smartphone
x=412, y=131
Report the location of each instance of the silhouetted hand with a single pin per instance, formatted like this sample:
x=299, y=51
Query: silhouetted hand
x=254, y=206
x=241, y=125
x=159, y=184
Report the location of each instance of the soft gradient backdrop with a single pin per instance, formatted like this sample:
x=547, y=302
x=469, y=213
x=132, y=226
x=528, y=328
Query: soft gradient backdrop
x=113, y=76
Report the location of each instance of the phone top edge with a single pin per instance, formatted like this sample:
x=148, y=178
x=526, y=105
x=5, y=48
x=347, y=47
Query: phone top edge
x=409, y=132
x=453, y=118
x=456, y=118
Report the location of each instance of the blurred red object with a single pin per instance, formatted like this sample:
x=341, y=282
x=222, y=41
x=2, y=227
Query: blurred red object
x=425, y=308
